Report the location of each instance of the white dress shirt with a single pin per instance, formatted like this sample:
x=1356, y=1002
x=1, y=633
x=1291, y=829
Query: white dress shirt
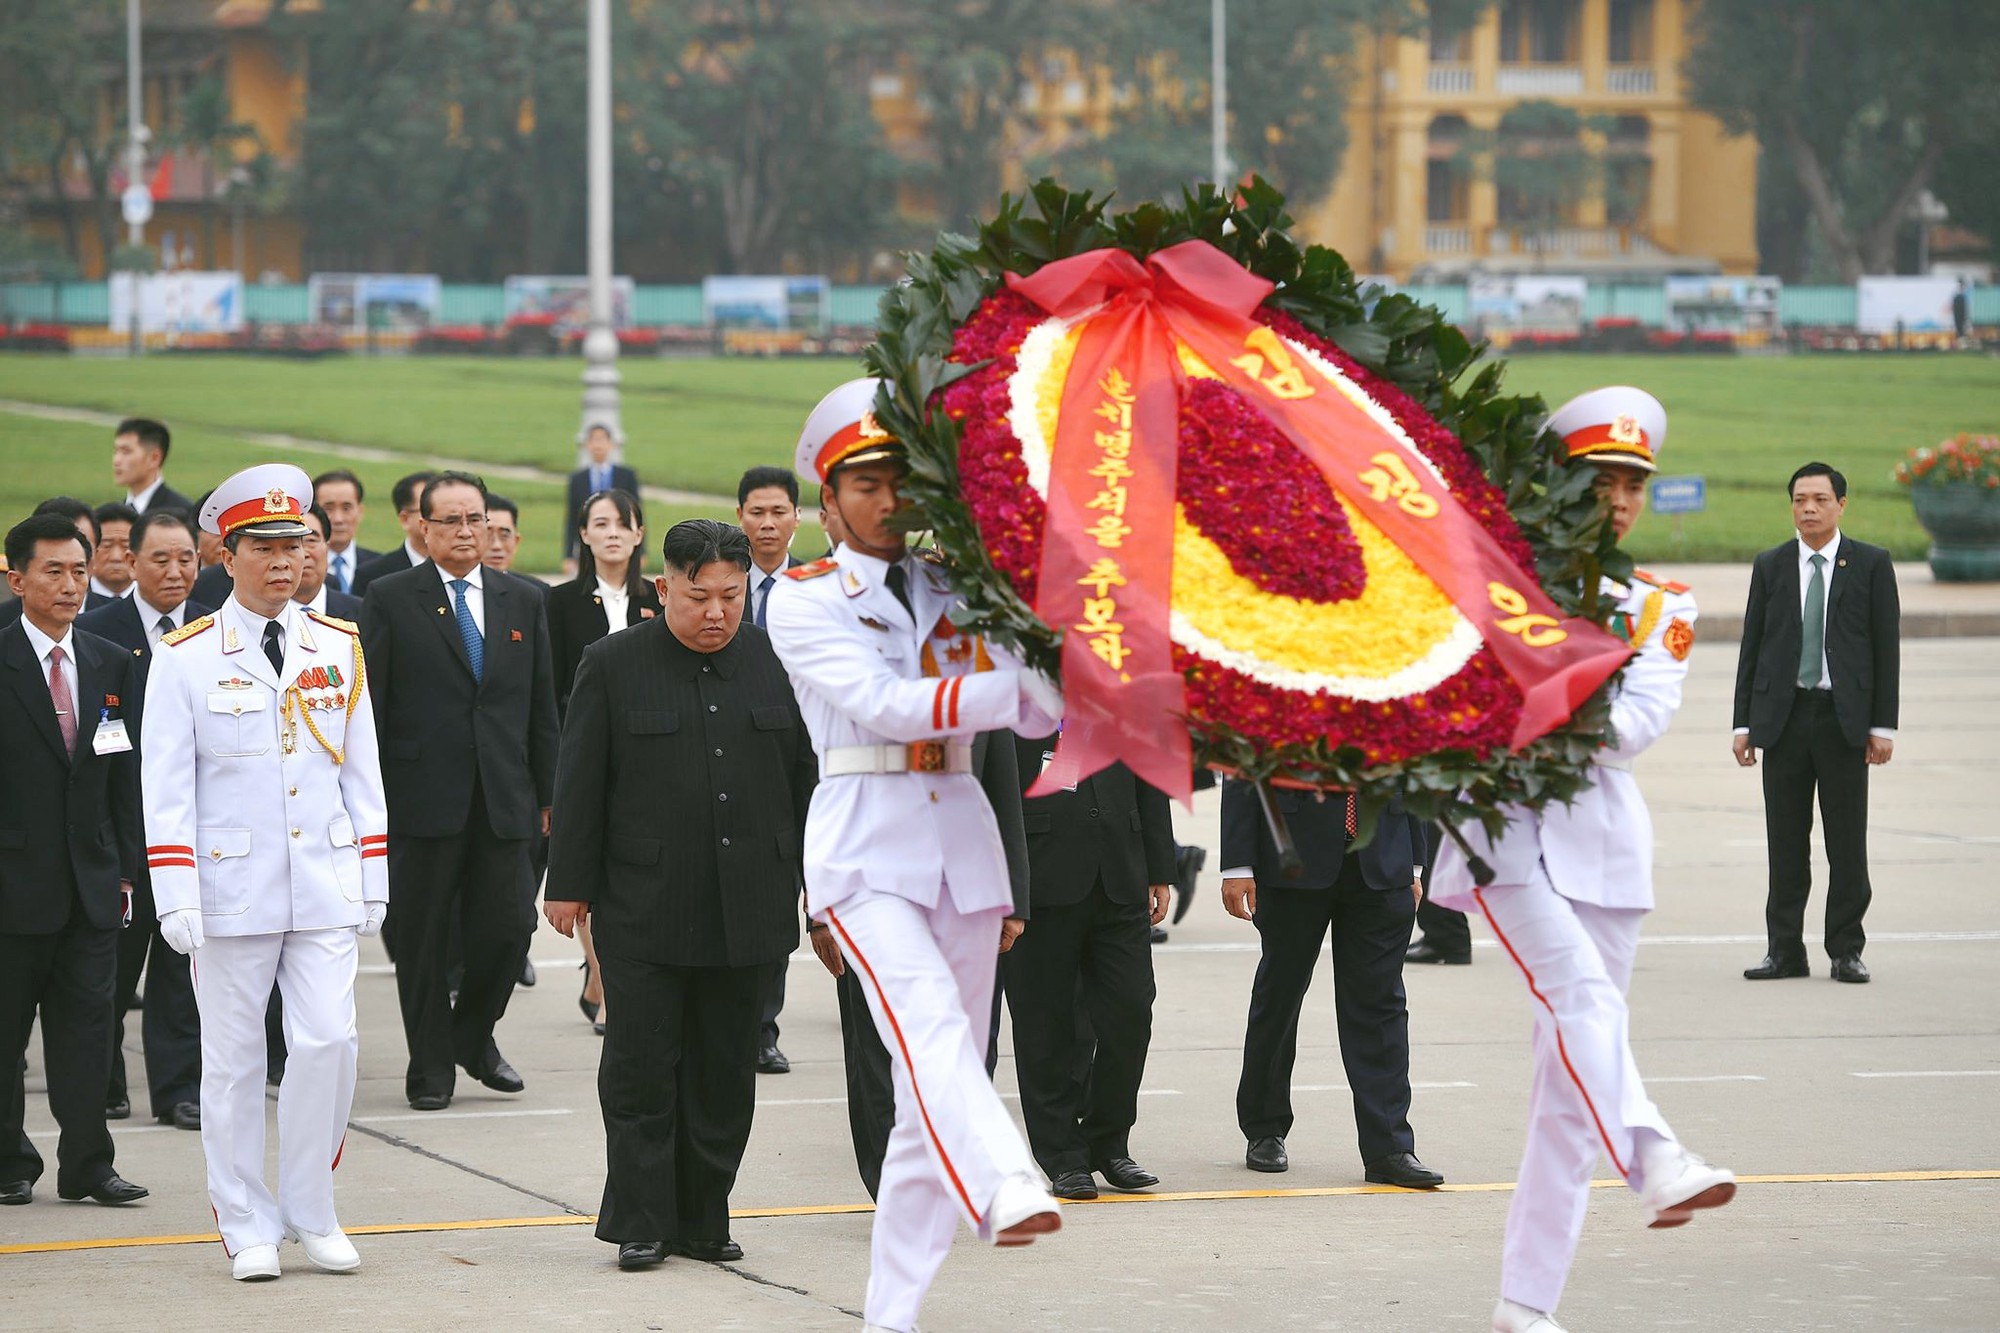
x=416, y=557
x=762, y=581
x=475, y=595
x=317, y=602
x=140, y=499
x=617, y=604
x=149, y=618
x=112, y=593
x=42, y=643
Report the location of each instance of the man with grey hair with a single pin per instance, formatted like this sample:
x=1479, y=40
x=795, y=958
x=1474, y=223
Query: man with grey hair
x=689, y=712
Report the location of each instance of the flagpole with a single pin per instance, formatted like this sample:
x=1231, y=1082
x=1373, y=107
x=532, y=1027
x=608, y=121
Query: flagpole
x=600, y=342
x=1218, y=85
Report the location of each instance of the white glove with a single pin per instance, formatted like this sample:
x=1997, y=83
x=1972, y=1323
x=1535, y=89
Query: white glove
x=1041, y=693
x=181, y=929
x=373, y=914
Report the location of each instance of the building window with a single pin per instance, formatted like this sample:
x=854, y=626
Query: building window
x=1539, y=32
x=1631, y=32
x=1628, y=173
x=1447, y=173
x=1449, y=46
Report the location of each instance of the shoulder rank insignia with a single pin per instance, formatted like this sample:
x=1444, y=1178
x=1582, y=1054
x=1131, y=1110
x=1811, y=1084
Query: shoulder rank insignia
x=813, y=569
x=187, y=631
x=1656, y=581
x=1678, y=639
x=344, y=626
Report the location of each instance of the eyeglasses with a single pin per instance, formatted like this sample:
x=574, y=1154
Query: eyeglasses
x=474, y=521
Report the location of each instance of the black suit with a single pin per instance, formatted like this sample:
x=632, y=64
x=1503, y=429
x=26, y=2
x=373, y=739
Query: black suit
x=212, y=586
x=1817, y=738
x=467, y=766
x=1365, y=899
x=577, y=619
x=357, y=556
x=622, y=479
x=1092, y=853
x=343, y=607
x=871, y=1091
x=166, y=497
x=170, y=1025
x=70, y=830
x=774, y=984
x=687, y=913
x=381, y=567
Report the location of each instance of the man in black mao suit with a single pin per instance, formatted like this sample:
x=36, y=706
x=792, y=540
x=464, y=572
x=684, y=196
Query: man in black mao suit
x=688, y=713
x=71, y=843
x=1101, y=865
x=1368, y=897
x=1817, y=684
x=599, y=474
x=163, y=556
x=465, y=709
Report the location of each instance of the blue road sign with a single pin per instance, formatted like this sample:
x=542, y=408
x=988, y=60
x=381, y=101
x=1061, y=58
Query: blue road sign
x=1679, y=495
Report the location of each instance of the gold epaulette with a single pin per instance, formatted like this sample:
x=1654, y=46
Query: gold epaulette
x=813, y=569
x=344, y=626
x=1659, y=582
x=187, y=631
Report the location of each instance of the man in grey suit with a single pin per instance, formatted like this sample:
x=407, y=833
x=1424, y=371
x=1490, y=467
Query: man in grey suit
x=1817, y=682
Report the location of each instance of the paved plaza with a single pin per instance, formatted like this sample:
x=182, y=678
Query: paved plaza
x=1864, y=1121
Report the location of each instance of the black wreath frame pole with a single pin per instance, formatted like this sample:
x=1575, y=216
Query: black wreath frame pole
x=1290, y=863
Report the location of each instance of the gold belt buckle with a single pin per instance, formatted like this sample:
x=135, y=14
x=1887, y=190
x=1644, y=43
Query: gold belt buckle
x=928, y=757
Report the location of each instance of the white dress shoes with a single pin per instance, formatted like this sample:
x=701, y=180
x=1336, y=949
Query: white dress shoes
x=255, y=1263
x=331, y=1253
x=1022, y=1209
x=1686, y=1185
x=1513, y=1317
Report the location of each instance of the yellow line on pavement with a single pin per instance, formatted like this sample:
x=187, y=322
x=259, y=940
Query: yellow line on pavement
x=839, y=1209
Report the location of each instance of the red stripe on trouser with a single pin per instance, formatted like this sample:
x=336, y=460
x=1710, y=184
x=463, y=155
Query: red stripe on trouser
x=909, y=1064
x=957, y=683
x=337, y=1152
x=1561, y=1049
x=937, y=706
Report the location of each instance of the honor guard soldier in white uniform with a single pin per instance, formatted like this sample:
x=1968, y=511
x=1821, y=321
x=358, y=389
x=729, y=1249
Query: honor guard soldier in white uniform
x=1570, y=889
x=266, y=836
x=903, y=858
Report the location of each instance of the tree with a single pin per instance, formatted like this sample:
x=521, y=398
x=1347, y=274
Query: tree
x=206, y=127
x=1867, y=101
x=55, y=55
x=1544, y=159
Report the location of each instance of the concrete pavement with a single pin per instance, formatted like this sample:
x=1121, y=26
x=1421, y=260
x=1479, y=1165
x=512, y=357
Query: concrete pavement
x=1862, y=1118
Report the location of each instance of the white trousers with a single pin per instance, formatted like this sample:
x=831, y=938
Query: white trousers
x=1587, y=1096
x=929, y=975
x=314, y=971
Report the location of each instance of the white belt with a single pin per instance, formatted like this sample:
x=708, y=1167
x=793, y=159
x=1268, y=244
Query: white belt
x=1622, y=765
x=939, y=756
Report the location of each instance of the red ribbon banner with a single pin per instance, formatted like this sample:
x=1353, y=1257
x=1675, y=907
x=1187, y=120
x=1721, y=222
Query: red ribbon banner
x=1107, y=550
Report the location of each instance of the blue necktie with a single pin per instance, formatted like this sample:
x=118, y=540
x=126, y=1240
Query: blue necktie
x=475, y=646
x=764, y=600
x=340, y=571
x=600, y=478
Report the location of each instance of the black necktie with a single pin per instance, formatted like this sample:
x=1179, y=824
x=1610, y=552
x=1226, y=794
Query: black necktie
x=166, y=626
x=898, y=584
x=274, y=646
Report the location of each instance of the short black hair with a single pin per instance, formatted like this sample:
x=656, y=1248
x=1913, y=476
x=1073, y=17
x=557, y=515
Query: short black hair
x=404, y=493
x=325, y=523
x=39, y=527
x=151, y=433
x=115, y=512
x=761, y=478
x=72, y=509
x=1818, y=470
x=162, y=518
x=494, y=501
x=448, y=478
x=341, y=474
x=696, y=542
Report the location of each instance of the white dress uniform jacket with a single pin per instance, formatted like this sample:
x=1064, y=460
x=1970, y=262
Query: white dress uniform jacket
x=1599, y=849
x=272, y=811
x=866, y=672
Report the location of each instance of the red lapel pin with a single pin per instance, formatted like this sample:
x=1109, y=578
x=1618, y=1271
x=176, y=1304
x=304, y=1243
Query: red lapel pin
x=515, y=635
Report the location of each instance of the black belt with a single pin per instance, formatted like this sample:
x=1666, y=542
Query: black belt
x=1821, y=691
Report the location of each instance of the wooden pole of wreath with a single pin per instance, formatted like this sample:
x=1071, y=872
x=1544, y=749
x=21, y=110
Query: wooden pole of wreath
x=1290, y=864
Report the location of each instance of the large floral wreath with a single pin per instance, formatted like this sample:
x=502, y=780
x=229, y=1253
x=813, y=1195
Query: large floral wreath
x=1309, y=646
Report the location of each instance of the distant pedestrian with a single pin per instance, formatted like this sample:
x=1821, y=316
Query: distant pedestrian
x=408, y=497
x=139, y=448
x=111, y=562
x=600, y=472
x=339, y=493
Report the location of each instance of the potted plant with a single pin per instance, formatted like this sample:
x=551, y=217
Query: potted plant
x=1955, y=489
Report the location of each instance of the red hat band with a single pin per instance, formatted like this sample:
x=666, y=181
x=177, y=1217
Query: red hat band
x=274, y=504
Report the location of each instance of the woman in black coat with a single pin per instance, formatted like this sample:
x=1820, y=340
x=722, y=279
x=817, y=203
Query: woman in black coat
x=610, y=592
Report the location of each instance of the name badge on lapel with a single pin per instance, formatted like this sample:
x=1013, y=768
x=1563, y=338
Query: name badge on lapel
x=111, y=737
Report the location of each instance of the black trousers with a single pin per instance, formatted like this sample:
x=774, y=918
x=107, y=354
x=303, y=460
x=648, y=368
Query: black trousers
x=771, y=1002
x=474, y=879
x=1444, y=930
x=169, y=1025
x=1812, y=755
x=871, y=1088
x=677, y=1083
x=69, y=977
x=1079, y=1116
x=1371, y=929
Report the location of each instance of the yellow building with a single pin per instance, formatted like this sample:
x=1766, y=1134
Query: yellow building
x=1408, y=202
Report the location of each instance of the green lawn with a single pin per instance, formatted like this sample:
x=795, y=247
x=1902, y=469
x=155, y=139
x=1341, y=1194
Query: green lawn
x=1743, y=422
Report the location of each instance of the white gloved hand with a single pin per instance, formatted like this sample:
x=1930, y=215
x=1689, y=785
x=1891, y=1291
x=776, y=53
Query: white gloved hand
x=181, y=929
x=1042, y=693
x=373, y=914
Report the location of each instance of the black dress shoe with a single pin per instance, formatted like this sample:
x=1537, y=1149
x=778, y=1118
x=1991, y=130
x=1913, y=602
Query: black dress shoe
x=1157, y=935
x=1122, y=1173
x=708, y=1251
x=430, y=1101
x=111, y=1189
x=118, y=1110
x=1850, y=969
x=496, y=1073
x=1773, y=968
x=1267, y=1154
x=1403, y=1168
x=641, y=1254
x=1423, y=951
x=1073, y=1185
x=16, y=1192
x=527, y=971
x=185, y=1115
x=771, y=1060
x=1188, y=862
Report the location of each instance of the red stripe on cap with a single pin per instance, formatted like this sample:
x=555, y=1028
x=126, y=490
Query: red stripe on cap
x=258, y=510
x=847, y=440
x=1604, y=438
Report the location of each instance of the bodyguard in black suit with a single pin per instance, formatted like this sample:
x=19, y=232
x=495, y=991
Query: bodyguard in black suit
x=465, y=710
x=139, y=448
x=163, y=555
x=1101, y=862
x=1817, y=684
x=408, y=497
x=599, y=474
x=1366, y=898
x=71, y=843
x=681, y=801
